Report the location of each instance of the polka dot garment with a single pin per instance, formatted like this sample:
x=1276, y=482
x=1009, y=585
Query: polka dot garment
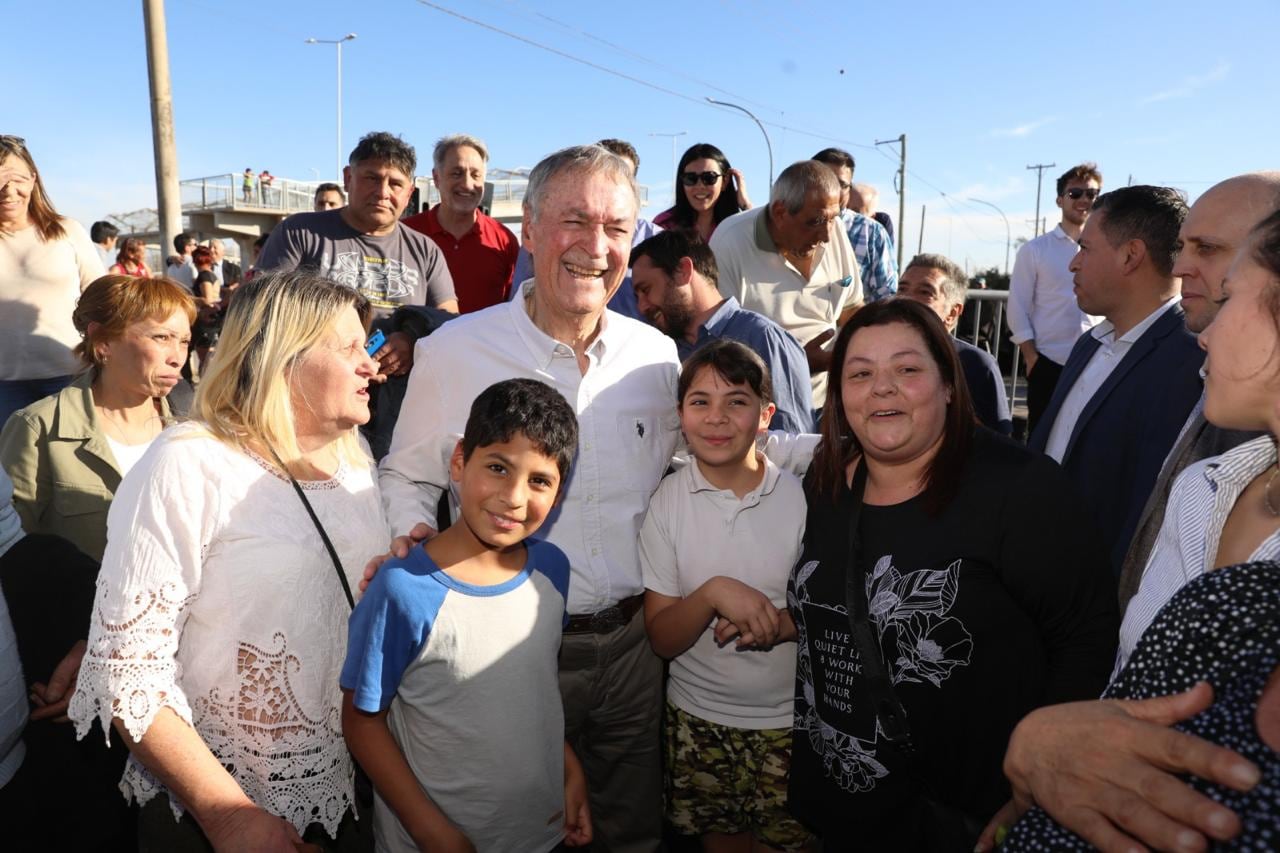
x=1224, y=628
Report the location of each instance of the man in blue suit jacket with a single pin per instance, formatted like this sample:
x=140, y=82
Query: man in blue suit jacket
x=1130, y=383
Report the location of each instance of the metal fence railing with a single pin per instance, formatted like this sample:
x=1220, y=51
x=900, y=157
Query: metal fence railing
x=983, y=325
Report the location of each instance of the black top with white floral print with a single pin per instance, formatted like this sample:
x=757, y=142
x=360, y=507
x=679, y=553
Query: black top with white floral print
x=1001, y=603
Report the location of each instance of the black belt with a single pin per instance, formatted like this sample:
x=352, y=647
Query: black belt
x=607, y=620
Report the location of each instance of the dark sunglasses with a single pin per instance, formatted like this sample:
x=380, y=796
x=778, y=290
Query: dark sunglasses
x=708, y=179
x=1075, y=192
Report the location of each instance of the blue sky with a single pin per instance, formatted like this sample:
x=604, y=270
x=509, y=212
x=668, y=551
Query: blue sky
x=1155, y=92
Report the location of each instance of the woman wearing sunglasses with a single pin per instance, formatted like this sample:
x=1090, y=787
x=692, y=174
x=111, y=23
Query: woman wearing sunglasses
x=710, y=191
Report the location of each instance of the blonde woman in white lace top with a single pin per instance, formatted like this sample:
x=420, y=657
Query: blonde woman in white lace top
x=220, y=623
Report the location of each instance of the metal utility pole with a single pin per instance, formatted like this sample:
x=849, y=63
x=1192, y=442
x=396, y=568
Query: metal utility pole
x=338, y=42
x=1039, y=167
x=168, y=197
x=675, y=187
x=901, y=187
x=767, y=143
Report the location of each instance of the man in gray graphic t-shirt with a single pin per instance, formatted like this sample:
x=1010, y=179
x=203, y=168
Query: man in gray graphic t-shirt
x=364, y=246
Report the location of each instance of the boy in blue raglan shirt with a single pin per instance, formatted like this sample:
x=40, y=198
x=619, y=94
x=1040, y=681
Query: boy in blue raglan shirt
x=451, y=697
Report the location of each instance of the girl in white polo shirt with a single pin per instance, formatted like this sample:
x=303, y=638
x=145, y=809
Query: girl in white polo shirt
x=717, y=545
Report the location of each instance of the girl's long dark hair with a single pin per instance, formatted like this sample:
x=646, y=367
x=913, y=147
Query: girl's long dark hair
x=839, y=446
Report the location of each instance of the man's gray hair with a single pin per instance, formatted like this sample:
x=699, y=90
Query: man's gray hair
x=798, y=180
x=588, y=159
x=955, y=288
x=457, y=140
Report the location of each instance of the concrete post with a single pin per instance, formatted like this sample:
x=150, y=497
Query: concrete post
x=168, y=197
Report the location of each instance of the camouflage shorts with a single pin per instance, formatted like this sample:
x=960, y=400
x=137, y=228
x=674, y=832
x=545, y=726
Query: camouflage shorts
x=723, y=779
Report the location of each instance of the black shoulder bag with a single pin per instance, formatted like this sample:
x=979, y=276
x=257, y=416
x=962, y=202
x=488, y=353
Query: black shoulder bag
x=946, y=827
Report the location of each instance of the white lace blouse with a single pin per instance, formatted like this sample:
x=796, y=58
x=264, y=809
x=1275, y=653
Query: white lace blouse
x=218, y=600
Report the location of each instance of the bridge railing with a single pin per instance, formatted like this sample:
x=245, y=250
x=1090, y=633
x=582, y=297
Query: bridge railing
x=228, y=191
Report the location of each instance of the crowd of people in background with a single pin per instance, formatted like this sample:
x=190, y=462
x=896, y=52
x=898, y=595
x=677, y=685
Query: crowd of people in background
x=632, y=535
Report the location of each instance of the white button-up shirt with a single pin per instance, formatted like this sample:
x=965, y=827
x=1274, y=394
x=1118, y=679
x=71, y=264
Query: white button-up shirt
x=1187, y=546
x=1110, y=352
x=627, y=423
x=1042, y=299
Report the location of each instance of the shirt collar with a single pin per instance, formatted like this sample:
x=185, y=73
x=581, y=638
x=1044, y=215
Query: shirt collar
x=1106, y=328
x=764, y=240
x=542, y=346
x=767, y=483
x=721, y=316
x=1240, y=465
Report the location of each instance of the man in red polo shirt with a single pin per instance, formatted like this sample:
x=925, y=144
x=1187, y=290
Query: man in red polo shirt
x=480, y=250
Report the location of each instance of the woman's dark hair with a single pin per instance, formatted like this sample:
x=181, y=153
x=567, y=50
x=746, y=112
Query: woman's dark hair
x=736, y=363
x=683, y=213
x=839, y=446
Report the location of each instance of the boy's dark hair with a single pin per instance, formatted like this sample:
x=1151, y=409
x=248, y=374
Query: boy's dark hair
x=182, y=240
x=736, y=363
x=381, y=147
x=665, y=249
x=102, y=231
x=1083, y=172
x=523, y=406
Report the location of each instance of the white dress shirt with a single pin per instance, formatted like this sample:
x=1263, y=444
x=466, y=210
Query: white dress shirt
x=1103, y=362
x=1187, y=545
x=1042, y=299
x=627, y=431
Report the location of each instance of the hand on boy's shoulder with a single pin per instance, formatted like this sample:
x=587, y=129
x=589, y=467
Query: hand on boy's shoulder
x=400, y=547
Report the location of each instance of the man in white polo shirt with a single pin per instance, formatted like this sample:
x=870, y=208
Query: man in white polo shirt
x=792, y=262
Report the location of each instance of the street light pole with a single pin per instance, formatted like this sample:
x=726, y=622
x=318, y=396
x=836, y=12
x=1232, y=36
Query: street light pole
x=752, y=116
x=675, y=186
x=338, y=42
x=1008, y=235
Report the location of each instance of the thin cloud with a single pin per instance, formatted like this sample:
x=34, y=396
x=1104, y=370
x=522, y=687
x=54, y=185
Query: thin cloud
x=1023, y=129
x=1190, y=85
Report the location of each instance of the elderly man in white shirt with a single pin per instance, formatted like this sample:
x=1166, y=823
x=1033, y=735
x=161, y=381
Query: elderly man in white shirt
x=620, y=377
x=1044, y=319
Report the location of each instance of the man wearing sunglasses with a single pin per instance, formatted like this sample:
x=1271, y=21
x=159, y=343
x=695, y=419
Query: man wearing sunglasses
x=1044, y=319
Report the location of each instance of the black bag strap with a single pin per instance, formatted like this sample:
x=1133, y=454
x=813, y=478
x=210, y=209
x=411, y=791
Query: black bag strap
x=891, y=716
x=324, y=537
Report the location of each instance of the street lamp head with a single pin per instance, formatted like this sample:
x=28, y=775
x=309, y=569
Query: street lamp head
x=310, y=41
x=349, y=37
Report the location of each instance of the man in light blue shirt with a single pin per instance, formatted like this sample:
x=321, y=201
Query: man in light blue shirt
x=675, y=282
x=871, y=244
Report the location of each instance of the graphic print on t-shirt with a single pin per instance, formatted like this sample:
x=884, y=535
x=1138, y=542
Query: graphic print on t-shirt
x=920, y=642
x=385, y=282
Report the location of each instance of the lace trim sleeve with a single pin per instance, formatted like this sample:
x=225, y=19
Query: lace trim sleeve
x=157, y=531
x=129, y=672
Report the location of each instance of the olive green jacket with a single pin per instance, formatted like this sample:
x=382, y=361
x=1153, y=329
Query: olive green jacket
x=64, y=474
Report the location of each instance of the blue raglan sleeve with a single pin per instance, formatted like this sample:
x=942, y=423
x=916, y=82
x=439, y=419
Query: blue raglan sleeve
x=386, y=633
x=553, y=563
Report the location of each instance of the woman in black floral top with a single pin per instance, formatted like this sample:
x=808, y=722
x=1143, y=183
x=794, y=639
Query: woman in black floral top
x=986, y=590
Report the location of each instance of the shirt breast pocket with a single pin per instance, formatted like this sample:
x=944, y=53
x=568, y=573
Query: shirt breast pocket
x=644, y=449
